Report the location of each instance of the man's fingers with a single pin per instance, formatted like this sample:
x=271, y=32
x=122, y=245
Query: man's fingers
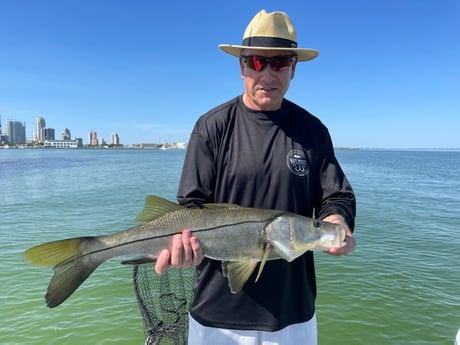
x=349, y=246
x=351, y=243
x=184, y=251
x=163, y=262
x=176, y=250
x=196, y=251
x=187, y=254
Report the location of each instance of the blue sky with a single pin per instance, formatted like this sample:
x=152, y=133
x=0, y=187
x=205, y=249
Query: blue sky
x=388, y=74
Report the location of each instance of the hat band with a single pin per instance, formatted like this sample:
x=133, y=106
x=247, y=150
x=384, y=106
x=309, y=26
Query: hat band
x=273, y=42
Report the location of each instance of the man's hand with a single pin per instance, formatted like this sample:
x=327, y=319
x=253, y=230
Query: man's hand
x=350, y=243
x=184, y=251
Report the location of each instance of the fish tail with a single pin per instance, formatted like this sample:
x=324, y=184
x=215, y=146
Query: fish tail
x=53, y=253
x=70, y=266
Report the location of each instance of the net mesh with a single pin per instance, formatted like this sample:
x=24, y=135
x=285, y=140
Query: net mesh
x=164, y=303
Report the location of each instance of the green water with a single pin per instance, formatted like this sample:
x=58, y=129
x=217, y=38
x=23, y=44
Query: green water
x=401, y=286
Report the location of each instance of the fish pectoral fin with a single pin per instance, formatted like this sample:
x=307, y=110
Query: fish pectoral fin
x=155, y=207
x=237, y=273
x=268, y=249
x=146, y=259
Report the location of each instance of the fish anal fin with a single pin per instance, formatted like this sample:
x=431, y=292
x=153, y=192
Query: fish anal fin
x=155, y=207
x=237, y=273
x=146, y=259
x=268, y=249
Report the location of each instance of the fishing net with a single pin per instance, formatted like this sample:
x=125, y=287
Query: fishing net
x=164, y=303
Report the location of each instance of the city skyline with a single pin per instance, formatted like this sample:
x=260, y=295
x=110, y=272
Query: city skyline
x=387, y=74
x=42, y=133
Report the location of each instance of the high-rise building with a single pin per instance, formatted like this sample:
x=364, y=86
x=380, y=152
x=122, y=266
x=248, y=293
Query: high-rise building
x=66, y=134
x=115, y=139
x=92, y=138
x=16, y=132
x=3, y=138
x=40, y=124
x=48, y=134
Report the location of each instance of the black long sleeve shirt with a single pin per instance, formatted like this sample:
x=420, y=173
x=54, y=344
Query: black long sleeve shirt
x=280, y=160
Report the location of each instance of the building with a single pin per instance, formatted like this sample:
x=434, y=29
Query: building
x=48, y=133
x=63, y=144
x=16, y=132
x=66, y=134
x=3, y=138
x=115, y=139
x=80, y=141
x=92, y=138
x=40, y=124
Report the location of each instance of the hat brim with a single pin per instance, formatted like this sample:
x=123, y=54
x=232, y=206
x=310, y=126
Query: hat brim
x=303, y=54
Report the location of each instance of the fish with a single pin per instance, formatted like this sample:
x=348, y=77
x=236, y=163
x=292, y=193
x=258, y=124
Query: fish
x=239, y=237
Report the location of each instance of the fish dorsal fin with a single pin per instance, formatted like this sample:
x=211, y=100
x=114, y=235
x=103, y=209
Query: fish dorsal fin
x=238, y=272
x=220, y=206
x=155, y=207
x=268, y=249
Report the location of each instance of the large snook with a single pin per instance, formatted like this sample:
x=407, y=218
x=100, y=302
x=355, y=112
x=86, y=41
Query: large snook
x=239, y=237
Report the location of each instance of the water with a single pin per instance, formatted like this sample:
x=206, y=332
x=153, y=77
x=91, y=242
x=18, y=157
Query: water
x=401, y=286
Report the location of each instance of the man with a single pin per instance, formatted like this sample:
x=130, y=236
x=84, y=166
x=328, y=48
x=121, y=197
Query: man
x=261, y=150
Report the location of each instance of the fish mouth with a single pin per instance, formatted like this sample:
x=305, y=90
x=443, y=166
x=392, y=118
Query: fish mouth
x=328, y=237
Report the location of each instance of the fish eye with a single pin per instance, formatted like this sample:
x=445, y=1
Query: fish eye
x=317, y=223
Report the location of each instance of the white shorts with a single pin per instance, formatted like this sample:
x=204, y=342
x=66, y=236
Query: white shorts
x=297, y=334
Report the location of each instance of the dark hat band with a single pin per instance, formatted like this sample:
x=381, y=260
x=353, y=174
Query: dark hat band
x=270, y=42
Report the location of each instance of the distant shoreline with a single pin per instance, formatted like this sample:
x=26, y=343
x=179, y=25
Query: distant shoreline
x=162, y=147
x=88, y=147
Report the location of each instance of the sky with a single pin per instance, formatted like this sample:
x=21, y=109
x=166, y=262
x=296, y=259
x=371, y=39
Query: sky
x=388, y=73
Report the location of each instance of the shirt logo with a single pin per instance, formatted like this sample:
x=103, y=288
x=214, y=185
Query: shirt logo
x=297, y=163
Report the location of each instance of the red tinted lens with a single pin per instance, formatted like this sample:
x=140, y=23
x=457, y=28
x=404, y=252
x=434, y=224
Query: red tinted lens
x=255, y=62
x=259, y=62
x=277, y=63
x=280, y=62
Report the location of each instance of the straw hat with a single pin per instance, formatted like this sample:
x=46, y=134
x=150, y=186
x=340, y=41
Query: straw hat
x=270, y=31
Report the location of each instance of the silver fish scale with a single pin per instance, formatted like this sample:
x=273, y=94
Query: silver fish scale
x=224, y=233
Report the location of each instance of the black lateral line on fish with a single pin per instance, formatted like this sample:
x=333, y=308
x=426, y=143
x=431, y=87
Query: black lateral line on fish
x=160, y=236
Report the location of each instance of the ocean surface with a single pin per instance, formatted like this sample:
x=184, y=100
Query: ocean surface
x=400, y=286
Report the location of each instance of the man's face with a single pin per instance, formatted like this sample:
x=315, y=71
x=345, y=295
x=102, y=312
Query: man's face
x=265, y=90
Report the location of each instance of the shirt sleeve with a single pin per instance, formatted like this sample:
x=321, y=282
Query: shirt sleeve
x=198, y=173
x=337, y=196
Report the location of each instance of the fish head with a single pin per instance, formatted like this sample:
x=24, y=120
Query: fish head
x=293, y=235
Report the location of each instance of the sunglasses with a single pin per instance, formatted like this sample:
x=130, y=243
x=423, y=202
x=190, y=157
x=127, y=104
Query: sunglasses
x=278, y=63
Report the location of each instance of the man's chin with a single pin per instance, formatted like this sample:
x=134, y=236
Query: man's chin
x=269, y=104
